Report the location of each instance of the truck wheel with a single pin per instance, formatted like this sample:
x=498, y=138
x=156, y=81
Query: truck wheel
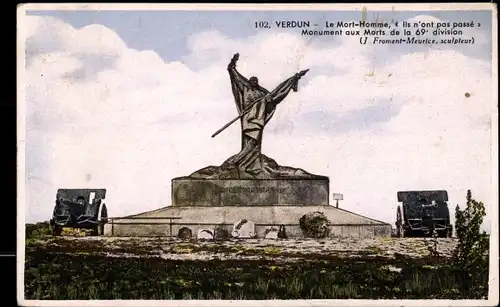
x=104, y=219
x=56, y=230
x=100, y=229
x=399, y=224
x=443, y=233
x=449, y=232
x=95, y=231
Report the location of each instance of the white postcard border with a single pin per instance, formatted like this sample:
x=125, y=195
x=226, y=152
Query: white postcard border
x=21, y=200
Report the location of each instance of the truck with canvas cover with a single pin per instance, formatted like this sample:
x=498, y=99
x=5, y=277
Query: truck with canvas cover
x=79, y=209
x=422, y=213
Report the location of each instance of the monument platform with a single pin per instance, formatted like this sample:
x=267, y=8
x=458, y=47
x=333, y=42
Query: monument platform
x=168, y=221
x=226, y=197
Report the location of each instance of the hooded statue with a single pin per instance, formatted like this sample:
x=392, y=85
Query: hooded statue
x=260, y=105
x=256, y=106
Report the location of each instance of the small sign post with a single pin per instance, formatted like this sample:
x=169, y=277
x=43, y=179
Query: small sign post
x=337, y=197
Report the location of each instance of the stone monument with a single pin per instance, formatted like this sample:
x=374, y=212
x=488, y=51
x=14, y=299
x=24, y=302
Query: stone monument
x=250, y=178
x=249, y=185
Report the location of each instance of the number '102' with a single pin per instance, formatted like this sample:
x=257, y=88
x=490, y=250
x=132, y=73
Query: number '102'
x=262, y=24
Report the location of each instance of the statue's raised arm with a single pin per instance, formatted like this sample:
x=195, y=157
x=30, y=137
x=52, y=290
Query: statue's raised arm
x=238, y=81
x=282, y=90
x=232, y=64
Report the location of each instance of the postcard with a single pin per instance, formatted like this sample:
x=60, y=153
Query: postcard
x=257, y=155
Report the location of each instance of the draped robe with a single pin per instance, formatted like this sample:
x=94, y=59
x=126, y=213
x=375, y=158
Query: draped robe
x=261, y=105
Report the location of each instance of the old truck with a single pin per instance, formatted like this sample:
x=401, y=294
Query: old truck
x=79, y=209
x=422, y=213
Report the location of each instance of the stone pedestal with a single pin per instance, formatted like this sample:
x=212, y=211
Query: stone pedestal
x=279, y=192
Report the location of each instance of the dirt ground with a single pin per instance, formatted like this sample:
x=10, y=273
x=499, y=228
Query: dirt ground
x=251, y=249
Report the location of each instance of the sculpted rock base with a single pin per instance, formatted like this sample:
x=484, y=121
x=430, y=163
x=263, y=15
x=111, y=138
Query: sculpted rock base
x=270, y=170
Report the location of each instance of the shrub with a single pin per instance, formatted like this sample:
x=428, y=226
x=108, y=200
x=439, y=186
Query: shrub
x=314, y=225
x=37, y=230
x=471, y=252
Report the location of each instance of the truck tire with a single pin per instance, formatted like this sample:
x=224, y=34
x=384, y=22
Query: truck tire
x=56, y=230
x=103, y=220
x=100, y=229
x=95, y=231
x=400, y=232
x=449, y=232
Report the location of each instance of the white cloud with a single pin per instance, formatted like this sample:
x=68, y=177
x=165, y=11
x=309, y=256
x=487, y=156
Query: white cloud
x=50, y=34
x=134, y=121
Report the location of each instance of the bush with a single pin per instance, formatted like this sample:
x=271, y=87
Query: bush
x=221, y=234
x=314, y=225
x=471, y=252
x=37, y=230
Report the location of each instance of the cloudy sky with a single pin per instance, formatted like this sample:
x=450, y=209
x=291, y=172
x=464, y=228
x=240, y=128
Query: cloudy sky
x=128, y=100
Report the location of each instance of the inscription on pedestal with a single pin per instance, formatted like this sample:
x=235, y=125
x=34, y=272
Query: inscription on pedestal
x=249, y=190
x=215, y=192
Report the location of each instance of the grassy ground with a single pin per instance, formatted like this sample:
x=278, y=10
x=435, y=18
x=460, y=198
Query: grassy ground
x=109, y=268
x=67, y=277
x=56, y=275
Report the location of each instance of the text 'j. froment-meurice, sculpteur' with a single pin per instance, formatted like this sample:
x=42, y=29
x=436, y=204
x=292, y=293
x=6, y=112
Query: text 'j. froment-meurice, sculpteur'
x=256, y=106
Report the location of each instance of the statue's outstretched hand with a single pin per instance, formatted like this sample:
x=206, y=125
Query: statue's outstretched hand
x=235, y=58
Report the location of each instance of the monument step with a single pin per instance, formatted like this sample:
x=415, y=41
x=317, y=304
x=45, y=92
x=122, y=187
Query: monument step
x=168, y=221
x=259, y=214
